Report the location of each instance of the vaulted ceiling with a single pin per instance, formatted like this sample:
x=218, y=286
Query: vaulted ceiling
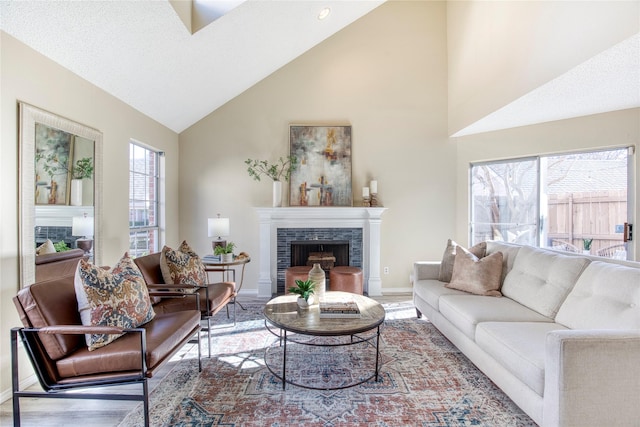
x=143, y=52
x=177, y=68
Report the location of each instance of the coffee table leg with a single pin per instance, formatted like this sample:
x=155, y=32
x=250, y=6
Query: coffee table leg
x=284, y=362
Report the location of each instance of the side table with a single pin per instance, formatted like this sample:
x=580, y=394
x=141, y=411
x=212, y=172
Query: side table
x=227, y=269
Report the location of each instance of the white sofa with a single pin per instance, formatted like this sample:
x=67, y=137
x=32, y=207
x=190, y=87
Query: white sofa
x=563, y=342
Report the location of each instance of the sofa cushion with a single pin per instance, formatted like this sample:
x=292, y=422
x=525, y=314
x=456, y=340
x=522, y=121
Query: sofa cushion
x=477, y=276
x=46, y=248
x=115, y=298
x=51, y=303
x=431, y=290
x=519, y=347
x=541, y=280
x=606, y=296
x=182, y=266
x=509, y=252
x=449, y=257
x=467, y=311
x=163, y=334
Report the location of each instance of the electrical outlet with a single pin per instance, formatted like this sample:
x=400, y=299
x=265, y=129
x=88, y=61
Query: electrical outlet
x=386, y=270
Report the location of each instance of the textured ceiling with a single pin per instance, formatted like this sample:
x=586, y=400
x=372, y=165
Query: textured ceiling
x=142, y=53
x=609, y=81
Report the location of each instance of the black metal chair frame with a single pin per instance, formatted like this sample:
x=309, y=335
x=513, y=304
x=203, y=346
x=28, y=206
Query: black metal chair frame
x=54, y=389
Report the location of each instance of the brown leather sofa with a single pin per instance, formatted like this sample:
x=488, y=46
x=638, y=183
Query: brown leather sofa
x=53, y=337
x=59, y=264
x=213, y=296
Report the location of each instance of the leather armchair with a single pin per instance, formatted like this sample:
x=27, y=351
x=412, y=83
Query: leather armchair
x=53, y=337
x=213, y=296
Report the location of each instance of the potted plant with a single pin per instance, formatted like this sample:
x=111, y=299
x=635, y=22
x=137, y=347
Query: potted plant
x=81, y=170
x=586, y=245
x=304, y=290
x=276, y=171
x=225, y=252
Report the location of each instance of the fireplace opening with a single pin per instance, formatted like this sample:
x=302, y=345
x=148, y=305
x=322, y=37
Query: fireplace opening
x=327, y=253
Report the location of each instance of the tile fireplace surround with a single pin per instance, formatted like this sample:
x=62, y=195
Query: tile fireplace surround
x=368, y=219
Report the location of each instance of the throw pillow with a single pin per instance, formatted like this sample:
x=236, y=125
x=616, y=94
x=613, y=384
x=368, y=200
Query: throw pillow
x=449, y=256
x=112, y=298
x=477, y=276
x=182, y=266
x=46, y=248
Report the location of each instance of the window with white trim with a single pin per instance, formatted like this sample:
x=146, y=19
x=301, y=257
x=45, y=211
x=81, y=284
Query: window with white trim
x=144, y=196
x=575, y=202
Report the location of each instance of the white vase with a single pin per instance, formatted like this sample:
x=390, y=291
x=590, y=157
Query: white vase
x=76, y=192
x=317, y=276
x=302, y=303
x=277, y=194
x=226, y=258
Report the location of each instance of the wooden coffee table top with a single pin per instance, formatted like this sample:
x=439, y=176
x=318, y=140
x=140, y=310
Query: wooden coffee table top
x=284, y=313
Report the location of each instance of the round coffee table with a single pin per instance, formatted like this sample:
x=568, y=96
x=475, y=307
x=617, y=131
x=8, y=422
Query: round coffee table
x=292, y=324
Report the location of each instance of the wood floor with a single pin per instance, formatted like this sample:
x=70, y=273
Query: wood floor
x=103, y=413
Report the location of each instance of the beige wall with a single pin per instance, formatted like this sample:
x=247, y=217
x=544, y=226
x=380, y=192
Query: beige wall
x=615, y=129
x=386, y=76
x=30, y=77
x=501, y=50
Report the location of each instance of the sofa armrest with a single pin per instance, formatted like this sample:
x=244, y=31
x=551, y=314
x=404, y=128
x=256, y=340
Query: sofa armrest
x=592, y=378
x=423, y=270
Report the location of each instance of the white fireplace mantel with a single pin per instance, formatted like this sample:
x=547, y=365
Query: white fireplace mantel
x=369, y=219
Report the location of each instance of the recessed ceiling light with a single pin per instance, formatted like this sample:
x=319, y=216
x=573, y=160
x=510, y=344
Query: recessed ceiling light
x=324, y=13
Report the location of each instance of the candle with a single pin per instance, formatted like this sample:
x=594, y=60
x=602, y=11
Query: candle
x=365, y=192
x=374, y=186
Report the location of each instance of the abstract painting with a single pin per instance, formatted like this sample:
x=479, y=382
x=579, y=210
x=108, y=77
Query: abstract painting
x=322, y=175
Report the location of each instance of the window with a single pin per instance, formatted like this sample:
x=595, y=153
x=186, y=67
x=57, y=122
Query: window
x=575, y=202
x=144, y=180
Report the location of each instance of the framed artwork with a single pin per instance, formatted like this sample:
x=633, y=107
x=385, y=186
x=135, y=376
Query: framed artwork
x=322, y=175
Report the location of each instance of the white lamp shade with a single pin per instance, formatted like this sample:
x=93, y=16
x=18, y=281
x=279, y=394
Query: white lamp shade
x=218, y=227
x=82, y=226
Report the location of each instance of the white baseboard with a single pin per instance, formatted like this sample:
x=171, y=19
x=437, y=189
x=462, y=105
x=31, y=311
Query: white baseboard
x=397, y=291
x=25, y=383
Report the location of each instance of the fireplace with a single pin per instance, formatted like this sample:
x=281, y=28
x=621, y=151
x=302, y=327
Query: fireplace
x=327, y=253
x=279, y=227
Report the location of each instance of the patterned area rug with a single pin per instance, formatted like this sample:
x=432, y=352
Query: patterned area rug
x=424, y=381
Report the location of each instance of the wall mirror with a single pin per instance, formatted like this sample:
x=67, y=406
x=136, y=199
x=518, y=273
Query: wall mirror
x=60, y=178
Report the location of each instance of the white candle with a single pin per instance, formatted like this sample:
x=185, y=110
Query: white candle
x=365, y=191
x=374, y=186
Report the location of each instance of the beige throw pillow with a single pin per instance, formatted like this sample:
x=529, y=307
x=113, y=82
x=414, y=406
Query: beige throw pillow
x=449, y=256
x=46, y=248
x=477, y=276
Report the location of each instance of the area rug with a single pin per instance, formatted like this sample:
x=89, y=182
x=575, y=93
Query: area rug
x=424, y=381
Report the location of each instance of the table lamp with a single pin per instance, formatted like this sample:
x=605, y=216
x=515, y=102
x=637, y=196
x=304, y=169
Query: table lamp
x=83, y=226
x=218, y=227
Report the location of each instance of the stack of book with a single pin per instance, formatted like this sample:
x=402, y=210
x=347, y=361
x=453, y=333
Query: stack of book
x=339, y=309
x=211, y=259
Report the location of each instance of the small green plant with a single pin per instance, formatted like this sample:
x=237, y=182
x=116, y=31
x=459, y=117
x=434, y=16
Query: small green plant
x=228, y=249
x=303, y=288
x=275, y=171
x=83, y=168
x=61, y=246
x=586, y=244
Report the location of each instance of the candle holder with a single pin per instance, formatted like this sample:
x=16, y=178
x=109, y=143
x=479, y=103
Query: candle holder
x=374, y=199
x=366, y=202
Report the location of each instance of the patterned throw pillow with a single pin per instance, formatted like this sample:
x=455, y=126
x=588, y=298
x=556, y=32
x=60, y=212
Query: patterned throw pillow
x=182, y=266
x=115, y=298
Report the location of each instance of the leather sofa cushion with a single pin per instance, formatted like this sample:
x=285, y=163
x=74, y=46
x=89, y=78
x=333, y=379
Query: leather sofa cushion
x=467, y=311
x=606, y=296
x=519, y=347
x=219, y=294
x=164, y=333
x=541, y=279
x=51, y=303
